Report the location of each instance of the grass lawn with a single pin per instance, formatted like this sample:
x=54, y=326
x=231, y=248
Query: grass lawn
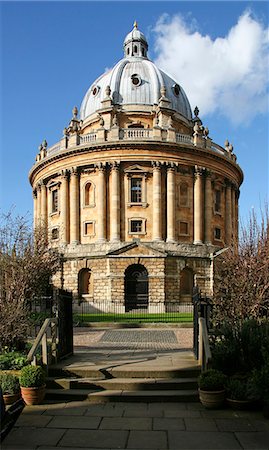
x=134, y=318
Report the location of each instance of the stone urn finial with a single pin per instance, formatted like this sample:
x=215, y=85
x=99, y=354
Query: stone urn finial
x=75, y=112
x=163, y=91
x=108, y=91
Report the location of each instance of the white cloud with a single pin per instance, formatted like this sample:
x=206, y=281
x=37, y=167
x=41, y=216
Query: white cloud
x=228, y=75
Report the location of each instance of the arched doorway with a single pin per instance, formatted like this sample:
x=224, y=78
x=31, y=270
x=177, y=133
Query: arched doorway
x=186, y=285
x=136, y=287
x=84, y=282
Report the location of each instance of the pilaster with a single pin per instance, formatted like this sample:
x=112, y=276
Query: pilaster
x=228, y=214
x=115, y=203
x=64, y=207
x=157, y=209
x=101, y=199
x=198, y=208
x=208, y=208
x=171, y=204
x=74, y=206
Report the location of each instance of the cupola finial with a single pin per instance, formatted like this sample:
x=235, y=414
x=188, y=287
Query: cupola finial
x=135, y=24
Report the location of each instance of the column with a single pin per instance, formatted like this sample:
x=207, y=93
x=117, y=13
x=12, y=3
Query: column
x=35, y=207
x=38, y=205
x=233, y=212
x=171, y=204
x=237, y=193
x=198, y=209
x=43, y=202
x=228, y=214
x=101, y=224
x=208, y=208
x=115, y=203
x=74, y=206
x=156, y=206
x=64, y=208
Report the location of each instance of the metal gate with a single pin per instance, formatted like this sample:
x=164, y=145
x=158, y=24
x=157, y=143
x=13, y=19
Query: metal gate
x=64, y=312
x=136, y=287
x=201, y=308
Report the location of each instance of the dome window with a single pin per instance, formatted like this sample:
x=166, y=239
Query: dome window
x=136, y=79
x=176, y=90
x=95, y=90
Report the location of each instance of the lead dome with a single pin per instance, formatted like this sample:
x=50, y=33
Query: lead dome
x=135, y=80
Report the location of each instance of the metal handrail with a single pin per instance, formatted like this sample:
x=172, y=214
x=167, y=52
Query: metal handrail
x=42, y=338
x=204, y=354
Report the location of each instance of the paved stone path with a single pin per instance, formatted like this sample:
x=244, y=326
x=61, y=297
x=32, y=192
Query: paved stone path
x=180, y=426
x=155, y=339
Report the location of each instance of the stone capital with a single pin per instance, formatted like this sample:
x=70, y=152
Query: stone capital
x=156, y=165
x=171, y=167
x=65, y=173
x=199, y=171
x=115, y=165
x=74, y=171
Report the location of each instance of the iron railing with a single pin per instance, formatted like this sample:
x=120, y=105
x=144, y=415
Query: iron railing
x=132, y=312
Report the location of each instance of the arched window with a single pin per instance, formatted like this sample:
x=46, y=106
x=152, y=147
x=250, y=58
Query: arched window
x=135, y=49
x=85, y=282
x=186, y=282
x=89, y=194
x=184, y=194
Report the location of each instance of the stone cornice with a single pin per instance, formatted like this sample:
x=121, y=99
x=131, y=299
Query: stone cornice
x=178, y=150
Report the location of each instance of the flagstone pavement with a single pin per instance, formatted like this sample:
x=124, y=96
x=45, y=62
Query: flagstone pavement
x=181, y=426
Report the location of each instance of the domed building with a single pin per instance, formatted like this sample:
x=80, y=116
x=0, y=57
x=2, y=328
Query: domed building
x=136, y=195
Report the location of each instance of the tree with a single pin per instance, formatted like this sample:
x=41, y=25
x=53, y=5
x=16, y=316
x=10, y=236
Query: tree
x=241, y=275
x=26, y=266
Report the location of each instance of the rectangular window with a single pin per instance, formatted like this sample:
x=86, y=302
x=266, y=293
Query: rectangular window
x=183, y=228
x=136, y=190
x=217, y=205
x=217, y=233
x=89, y=228
x=136, y=226
x=55, y=205
x=55, y=233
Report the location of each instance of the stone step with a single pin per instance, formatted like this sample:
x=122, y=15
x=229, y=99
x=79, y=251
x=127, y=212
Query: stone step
x=144, y=396
x=68, y=394
x=185, y=371
x=129, y=384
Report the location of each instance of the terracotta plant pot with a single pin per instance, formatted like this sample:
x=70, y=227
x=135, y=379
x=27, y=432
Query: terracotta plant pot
x=9, y=399
x=240, y=405
x=212, y=399
x=33, y=395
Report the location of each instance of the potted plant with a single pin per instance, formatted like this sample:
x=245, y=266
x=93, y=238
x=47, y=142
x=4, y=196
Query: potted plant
x=32, y=382
x=238, y=390
x=10, y=387
x=212, y=388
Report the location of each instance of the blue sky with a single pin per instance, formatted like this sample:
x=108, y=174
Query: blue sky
x=51, y=52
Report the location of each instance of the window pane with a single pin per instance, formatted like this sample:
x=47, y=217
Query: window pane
x=217, y=233
x=184, y=194
x=55, y=200
x=217, y=201
x=136, y=226
x=183, y=228
x=89, y=228
x=136, y=190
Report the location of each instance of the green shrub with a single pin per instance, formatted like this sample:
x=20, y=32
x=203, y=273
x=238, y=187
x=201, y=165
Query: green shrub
x=12, y=361
x=9, y=383
x=240, y=348
x=212, y=380
x=237, y=389
x=259, y=383
x=32, y=376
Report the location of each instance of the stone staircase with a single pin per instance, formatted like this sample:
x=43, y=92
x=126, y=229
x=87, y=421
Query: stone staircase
x=141, y=381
